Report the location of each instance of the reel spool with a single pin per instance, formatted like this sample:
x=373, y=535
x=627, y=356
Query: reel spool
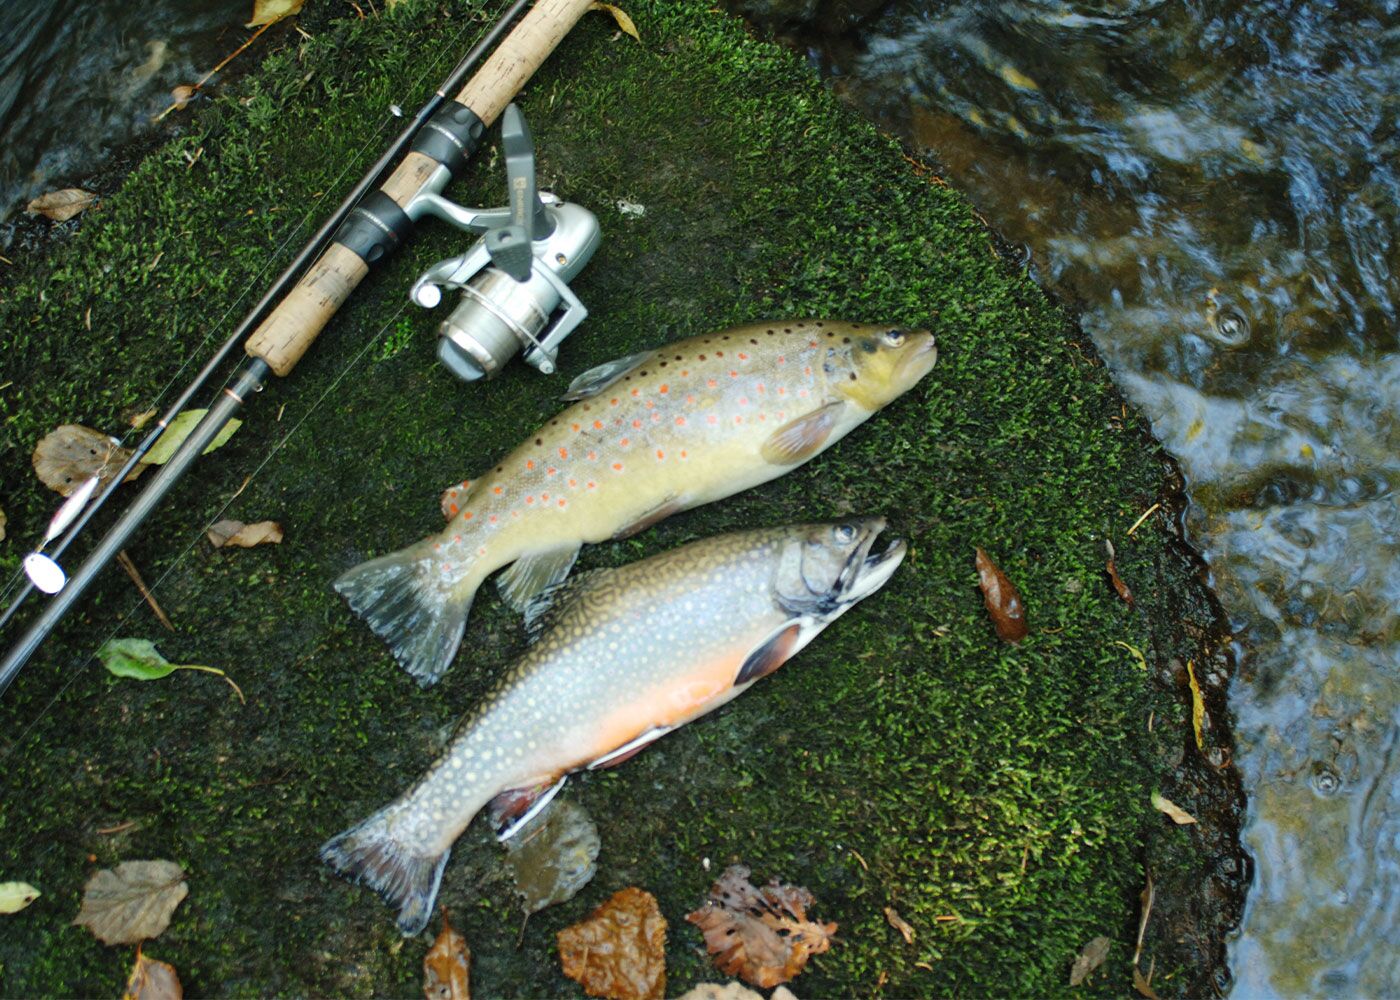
x=515, y=279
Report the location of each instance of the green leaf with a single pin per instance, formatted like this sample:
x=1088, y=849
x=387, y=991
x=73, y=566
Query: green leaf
x=136, y=658
x=180, y=429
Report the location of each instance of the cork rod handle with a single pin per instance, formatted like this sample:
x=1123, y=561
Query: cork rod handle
x=291, y=328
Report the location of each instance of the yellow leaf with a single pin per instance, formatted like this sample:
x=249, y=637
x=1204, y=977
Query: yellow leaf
x=1137, y=653
x=620, y=16
x=1198, y=706
x=15, y=896
x=1165, y=805
x=272, y=11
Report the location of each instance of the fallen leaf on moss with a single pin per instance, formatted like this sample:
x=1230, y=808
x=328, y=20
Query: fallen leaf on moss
x=1115, y=579
x=1089, y=959
x=185, y=421
x=620, y=950
x=140, y=660
x=1198, y=706
x=447, y=966
x=139, y=420
x=60, y=206
x=763, y=935
x=244, y=536
x=70, y=455
x=733, y=990
x=15, y=896
x=620, y=16
x=133, y=901
x=899, y=924
x=554, y=855
x=1179, y=815
x=272, y=11
x=152, y=980
x=1142, y=985
x=1003, y=601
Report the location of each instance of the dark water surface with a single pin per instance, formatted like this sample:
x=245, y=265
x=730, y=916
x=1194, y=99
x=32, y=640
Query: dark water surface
x=1215, y=183
x=78, y=78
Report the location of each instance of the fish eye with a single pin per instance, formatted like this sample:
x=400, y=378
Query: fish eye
x=892, y=338
x=844, y=533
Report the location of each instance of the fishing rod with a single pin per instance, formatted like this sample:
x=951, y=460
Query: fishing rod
x=41, y=569
x=366, y=228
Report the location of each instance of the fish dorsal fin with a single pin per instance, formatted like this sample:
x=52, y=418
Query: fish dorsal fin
x=595, y=380
x=455, y=497
x=770, y=654
x=800, y=439
x=550, y=603
x=536, y=572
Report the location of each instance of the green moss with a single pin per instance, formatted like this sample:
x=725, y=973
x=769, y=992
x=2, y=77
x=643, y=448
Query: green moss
x=995, y=796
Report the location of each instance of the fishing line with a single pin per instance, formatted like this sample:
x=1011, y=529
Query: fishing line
x=431, y=67
x=136, y=605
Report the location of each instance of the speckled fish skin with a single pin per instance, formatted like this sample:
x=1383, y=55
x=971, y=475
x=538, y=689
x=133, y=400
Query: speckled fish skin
x=626, y=655
x=692, y=422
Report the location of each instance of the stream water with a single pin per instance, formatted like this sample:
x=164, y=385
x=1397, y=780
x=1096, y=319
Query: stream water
x=1215, y=185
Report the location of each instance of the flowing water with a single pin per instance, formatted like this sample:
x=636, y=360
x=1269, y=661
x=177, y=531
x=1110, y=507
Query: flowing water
x=1215, y=185
x=78, y=78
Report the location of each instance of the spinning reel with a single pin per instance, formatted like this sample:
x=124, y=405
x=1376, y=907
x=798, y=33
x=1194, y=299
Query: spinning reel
x=515, y=279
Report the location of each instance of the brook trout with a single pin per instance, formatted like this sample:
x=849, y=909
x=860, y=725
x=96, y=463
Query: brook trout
x=648, y=435
x=622, y=657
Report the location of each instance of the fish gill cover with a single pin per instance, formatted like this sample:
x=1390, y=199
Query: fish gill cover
x=996, y=796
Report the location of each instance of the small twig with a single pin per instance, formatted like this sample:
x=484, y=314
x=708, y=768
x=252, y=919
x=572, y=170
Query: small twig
x=175, y=105
x=119, y=828
x=1138, y=523
x=1148, y=894
x=857, y=856
x=215, y=670
x=135, y=575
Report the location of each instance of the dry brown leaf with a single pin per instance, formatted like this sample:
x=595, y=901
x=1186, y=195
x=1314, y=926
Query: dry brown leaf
x=1179, y=815
x=69, y=456
x=133, y=901
x=1112, y=569
x=152, y=980
x=620, y=950
x=141, y=419
x=60, y=206
x=899, y=924
x=761, y=936
x=1003, y=601
x=732, y=990
x=272, y=11
x=1089, y=959
x=620, y=16
x=2, y=524
x=1198, y=706
x=447, y=966
x=1141, y=984
x=1145, y=898
x=180, y=96
x=244, y=536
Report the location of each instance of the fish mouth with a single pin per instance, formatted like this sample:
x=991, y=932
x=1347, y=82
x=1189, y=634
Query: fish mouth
x=867, y=571
x=920, y=361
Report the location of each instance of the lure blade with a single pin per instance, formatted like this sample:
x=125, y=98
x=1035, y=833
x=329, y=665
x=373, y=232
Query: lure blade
x=44, y=573
x=71, y=508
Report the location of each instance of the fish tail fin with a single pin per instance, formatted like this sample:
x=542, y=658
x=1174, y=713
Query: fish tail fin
x=370, y=854
x=401, y=597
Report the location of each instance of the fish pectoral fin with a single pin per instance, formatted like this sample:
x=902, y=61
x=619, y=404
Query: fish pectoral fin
x=771, y=653
x=630, y=749
x=595, y=380
x=534, y=573
x=671, y=505
x=800, y=439
x=542, y=609
x=513, y=808
x=455, y=497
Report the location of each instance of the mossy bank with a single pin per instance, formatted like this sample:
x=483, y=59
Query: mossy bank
x=995, y=796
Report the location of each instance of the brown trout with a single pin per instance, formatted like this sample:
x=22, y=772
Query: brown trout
x=621, y=657
x=648, y=435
